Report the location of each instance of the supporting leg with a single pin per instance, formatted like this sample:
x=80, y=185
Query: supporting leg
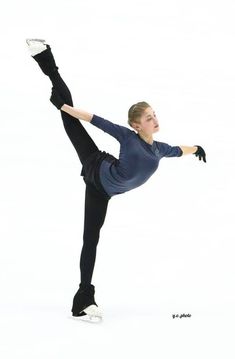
x=95, y=213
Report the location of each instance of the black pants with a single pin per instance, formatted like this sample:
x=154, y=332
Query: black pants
x=95, y=202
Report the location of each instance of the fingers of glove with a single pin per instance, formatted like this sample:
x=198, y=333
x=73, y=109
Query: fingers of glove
x=200, y=153
x=56, y=99
x=203, y=155
x=53, y=98
x=56, y=103
x=55, y=93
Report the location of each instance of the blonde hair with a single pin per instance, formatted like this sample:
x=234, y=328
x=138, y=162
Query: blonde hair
x=136, y=111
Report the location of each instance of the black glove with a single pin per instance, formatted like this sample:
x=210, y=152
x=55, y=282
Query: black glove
x=56, y=99
x=201, y=153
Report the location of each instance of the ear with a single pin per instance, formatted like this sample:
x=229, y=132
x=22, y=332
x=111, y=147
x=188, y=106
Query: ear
x=136, y=126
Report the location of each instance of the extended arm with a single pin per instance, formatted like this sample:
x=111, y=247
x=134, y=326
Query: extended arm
x=177, y=151
x=188, y=149
x=77, y=113
x=115, y=130
x=59, y=102
x=198, y=151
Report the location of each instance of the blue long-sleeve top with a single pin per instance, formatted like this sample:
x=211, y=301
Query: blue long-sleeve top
x=138, y=160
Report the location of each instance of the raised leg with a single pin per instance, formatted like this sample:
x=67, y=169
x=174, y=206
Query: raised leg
x=81, y=140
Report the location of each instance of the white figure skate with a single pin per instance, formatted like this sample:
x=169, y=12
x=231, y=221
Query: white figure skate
x=93, y=315
x=36, y=46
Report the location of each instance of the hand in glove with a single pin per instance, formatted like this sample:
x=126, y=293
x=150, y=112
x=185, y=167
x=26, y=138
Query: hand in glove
x=201, y=153
x=56, y=99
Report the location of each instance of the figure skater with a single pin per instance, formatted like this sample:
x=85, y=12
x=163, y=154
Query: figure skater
x=104, y=175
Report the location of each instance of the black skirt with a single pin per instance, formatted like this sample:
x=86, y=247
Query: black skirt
x=90, y=170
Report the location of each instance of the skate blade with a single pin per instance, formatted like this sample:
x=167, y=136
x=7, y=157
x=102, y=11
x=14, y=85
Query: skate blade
x=38, y=40
x=88, y=318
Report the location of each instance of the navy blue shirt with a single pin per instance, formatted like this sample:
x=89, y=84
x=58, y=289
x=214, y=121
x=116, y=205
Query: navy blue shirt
x=138, y=160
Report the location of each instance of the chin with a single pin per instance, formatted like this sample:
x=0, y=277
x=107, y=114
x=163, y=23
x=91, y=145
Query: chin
x=156, y=129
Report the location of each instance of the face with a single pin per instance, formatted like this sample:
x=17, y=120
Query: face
x=148, y=122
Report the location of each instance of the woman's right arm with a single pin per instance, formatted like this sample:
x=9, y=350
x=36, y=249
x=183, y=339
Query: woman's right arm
x=79, y=114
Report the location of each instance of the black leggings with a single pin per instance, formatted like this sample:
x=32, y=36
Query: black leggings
x=95, y=203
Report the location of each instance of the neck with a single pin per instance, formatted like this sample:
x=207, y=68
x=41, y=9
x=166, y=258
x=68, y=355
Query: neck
x=146, y=138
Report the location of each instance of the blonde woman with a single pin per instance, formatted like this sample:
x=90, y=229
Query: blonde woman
x=104, y=175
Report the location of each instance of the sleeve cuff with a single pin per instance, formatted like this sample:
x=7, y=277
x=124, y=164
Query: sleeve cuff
x=92, y=119
x=180, y=152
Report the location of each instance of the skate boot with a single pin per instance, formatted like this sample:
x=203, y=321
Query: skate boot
x=35, y=46
x=84, y=305
x=41, y=52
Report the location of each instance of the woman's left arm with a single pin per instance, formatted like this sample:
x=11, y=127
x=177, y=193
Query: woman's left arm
x=188, y=149
x=198, y=151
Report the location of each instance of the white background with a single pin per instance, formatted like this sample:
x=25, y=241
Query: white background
x=166, y=247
